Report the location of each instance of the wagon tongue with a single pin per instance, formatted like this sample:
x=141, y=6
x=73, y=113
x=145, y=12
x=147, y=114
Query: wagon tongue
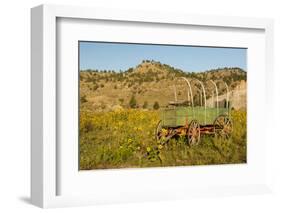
x=170, y=136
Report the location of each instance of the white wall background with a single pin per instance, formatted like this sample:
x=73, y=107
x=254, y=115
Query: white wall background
x=15, y=104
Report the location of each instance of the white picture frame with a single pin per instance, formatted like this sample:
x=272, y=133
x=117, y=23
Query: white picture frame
x=45, y=178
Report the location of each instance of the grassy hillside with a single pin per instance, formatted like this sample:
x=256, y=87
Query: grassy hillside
x=147, y=83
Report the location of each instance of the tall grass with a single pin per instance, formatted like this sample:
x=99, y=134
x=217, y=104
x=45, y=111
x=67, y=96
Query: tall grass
x=125, y=139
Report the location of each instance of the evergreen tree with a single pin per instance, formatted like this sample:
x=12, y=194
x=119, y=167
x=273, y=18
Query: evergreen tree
x=133, y=102
x=145, y=104
x=156, y=105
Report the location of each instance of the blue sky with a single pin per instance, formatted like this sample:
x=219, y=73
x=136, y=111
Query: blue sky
x=121, y=56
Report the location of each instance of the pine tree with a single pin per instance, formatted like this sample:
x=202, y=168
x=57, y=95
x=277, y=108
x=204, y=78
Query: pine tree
x=156, y=105
x=145, y=104
x=133, y=102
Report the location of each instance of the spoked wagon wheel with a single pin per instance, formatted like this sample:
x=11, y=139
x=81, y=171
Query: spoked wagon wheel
x=158, y=131
x=193, y=133
x=223, y=126
x=163, y=135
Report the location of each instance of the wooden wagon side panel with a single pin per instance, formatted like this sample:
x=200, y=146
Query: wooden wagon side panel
x=180, y=116
x=176, y=117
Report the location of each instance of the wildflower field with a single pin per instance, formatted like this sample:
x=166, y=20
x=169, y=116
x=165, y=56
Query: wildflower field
x=125, y=139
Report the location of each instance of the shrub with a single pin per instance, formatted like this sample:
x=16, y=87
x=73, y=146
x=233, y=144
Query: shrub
x=83, y=99
x=156, y=105
x=145, y=104
x=95, y=87
x=121, y=100
x=133, y=102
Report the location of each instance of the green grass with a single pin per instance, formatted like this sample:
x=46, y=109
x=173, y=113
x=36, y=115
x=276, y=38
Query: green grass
x=125, y=139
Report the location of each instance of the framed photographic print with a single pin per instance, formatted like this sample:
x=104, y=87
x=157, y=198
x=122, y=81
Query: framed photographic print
x=126, y=102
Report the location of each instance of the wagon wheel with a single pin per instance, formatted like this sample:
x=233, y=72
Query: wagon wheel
x=159, y=133
x=193, y=133
x=163, y=135
x=223, y=126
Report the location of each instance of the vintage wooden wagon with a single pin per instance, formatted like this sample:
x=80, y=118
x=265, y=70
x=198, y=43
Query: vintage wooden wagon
x=187, y=119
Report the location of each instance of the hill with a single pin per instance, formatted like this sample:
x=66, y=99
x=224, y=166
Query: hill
x=150, y=82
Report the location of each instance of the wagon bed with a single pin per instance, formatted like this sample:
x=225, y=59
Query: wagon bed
x=180, y=116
